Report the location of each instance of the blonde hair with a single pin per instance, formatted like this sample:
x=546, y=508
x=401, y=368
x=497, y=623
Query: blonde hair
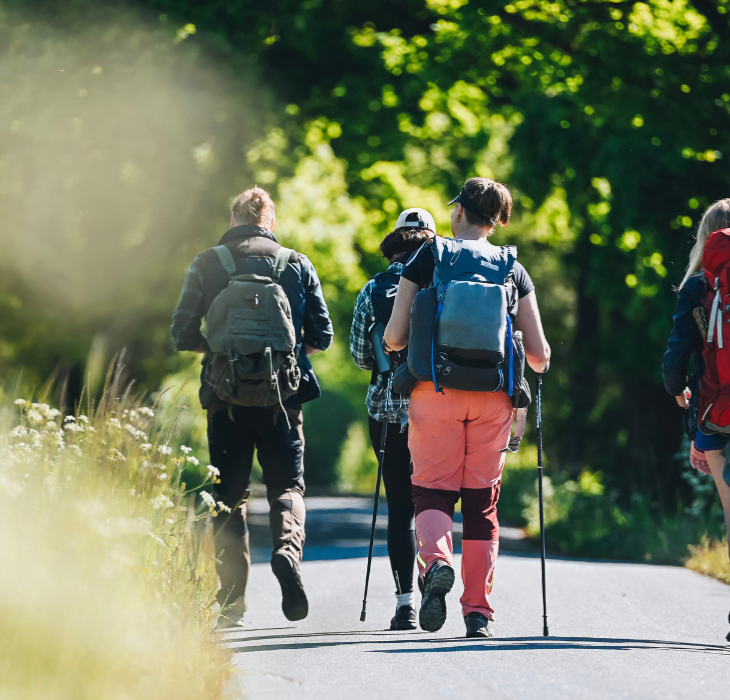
x=254, y=206
x=714, y=219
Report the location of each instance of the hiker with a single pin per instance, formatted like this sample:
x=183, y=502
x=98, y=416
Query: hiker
x=265, y=315
x=413, y=228
x=701, y=332
x=457, y=435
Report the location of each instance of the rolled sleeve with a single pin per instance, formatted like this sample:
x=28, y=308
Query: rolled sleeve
x=186, y=319
x=360, y=345
x=318, y=332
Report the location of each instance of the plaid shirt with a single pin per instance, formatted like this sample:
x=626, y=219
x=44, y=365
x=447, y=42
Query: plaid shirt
x=362, y=353
x=186, y=333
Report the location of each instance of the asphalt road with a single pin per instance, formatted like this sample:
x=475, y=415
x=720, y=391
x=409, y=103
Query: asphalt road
x=617, y=630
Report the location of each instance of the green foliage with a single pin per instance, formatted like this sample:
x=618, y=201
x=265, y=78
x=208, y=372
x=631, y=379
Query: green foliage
x=606, y=120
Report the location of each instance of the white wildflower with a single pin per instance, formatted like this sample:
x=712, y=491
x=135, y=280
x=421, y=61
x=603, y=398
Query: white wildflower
x=165, y=450
x=162, y=477
x=187, y=450
x=193, y=460
x=117, y=456
x=223, y=507
x=146, y=412
x=18, y=432
x=69, y=419
x=207, y=499
x=34, y=416
x=83, y=419
x=213, y=471
x=114, y=422
x=19, y=402
x=162, y=501
x=146, y=447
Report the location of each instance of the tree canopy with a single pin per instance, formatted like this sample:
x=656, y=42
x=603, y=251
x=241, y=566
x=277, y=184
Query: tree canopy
x=604, y=118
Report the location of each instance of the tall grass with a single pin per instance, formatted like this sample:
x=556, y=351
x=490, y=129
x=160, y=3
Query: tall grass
x=108, y=565
x=710, y=558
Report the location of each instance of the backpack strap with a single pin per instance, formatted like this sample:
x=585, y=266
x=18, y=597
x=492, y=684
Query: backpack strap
x=510, y=252
x=282, y=260
x=226, y=258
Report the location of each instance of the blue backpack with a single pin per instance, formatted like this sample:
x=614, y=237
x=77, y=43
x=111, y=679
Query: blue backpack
x=461, y=330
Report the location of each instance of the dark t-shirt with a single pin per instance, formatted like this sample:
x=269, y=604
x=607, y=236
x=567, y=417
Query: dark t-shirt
x=421, y=265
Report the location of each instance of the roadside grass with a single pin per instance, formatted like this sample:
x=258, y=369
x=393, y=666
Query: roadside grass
x=710, y=558
x=107, y=555
x=584, y=518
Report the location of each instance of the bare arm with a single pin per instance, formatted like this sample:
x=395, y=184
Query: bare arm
x=399, y=326
x=537, y=350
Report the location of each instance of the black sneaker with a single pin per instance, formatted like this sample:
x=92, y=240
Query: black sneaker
x=294, y=602
x=437, y=583
x=477, y=625
x=404, y=618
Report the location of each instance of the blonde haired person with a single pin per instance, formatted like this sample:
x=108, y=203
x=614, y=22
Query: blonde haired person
x=234, y=432
x=685, y=341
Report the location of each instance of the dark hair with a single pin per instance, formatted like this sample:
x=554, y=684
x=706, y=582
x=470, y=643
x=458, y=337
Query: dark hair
x=398, y=245
x=493, y=199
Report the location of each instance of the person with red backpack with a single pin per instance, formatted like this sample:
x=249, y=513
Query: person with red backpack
x=702, y=330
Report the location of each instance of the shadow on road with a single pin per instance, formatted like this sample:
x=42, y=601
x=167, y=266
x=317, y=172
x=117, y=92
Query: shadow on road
x=462, y=644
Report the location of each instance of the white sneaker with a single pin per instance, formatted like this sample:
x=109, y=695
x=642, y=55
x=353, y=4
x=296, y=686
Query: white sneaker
x=231, y=616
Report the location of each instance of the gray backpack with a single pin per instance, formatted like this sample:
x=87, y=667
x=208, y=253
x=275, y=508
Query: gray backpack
x=461, y=331
x=252, y=338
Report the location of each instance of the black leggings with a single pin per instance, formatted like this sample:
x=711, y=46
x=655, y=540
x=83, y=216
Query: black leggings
x=397, y=480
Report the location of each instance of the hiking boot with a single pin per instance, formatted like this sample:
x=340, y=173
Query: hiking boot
x=477, y=625
x=404, y=618
x=436, y=584
x=294, y=602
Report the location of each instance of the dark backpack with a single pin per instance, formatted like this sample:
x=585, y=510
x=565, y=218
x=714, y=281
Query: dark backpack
x=382, y=297
x=461, y=330
x=252, y=337
x=714, y=409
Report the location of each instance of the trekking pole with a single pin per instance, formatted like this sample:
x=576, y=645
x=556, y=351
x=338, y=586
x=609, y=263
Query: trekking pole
x=545, y=632
x=381, y=457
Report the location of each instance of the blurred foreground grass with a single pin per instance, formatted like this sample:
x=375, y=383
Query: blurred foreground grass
x=710, y=558
x=108, y=565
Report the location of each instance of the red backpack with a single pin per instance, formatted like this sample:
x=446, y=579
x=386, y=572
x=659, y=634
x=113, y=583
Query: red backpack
x=714, y=411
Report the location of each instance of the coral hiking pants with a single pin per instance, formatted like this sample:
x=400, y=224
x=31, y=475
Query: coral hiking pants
x=455, y=442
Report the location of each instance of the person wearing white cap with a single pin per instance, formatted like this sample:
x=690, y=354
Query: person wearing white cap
x=414, y=228
x=415, y=218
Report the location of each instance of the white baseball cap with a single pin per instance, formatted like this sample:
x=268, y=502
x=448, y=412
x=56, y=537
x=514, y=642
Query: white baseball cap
x=417, y=218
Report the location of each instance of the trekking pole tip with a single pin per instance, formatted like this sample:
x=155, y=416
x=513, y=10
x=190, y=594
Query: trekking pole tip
x=362, y=613
x=545, y=632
